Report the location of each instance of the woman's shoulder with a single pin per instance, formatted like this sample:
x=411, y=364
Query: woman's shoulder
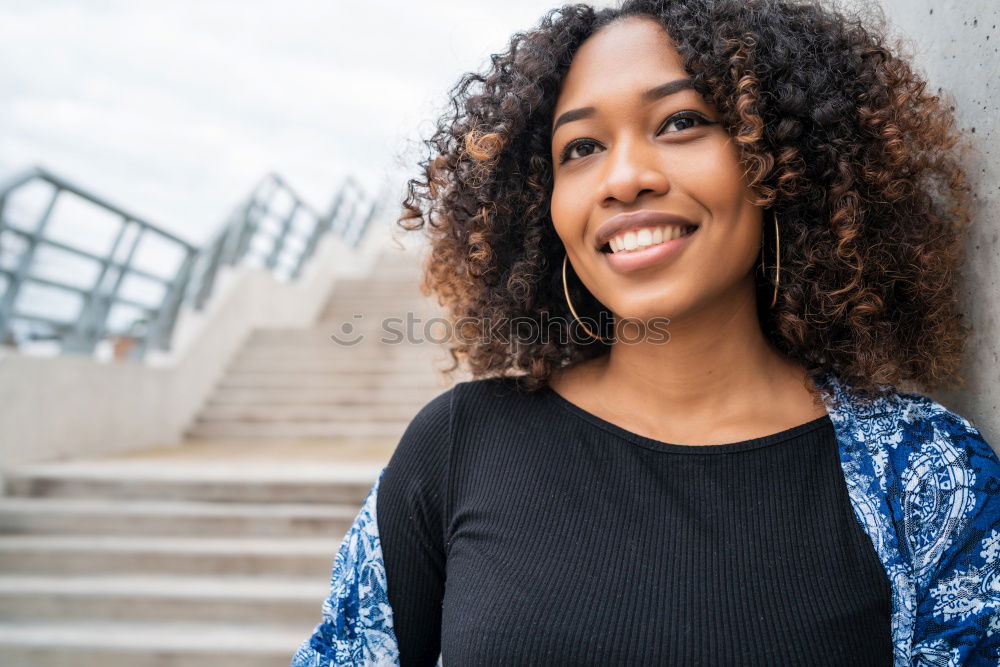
x=463, y=406
x=940, y=482
x=914, y=448
x=476, y=390
x=481, y=398
x=894, y=417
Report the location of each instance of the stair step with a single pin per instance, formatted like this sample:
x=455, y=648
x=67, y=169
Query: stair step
x=406, y=296
x=320, y=343
x=383, y=412
x=397, y=267
x=377, y=287
x=395, y=340
x=320, y=339
x=285, y=602
x=332, y=363
x=107, y=644
x=295, y=429
x=386, y=324
x=116, y=554
x=405, y=376
x=322, y=380
x=389, y=328
x=78, y=516
x=340, y=483
x=430, y=360
x=393, y=316
x=333, y=397
x=398, y=262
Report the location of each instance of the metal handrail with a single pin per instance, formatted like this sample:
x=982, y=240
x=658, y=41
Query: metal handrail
x=284, y=251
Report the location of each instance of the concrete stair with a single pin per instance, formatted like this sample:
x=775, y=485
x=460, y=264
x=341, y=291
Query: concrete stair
x=300, y=383
x=128, y=644
x=163, y=560
x=218, y=550
x=84, y=516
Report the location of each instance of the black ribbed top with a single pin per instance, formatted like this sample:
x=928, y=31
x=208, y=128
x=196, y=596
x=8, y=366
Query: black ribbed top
x=520, y=529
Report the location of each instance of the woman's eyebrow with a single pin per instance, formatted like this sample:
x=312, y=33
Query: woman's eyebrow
x=650, y=95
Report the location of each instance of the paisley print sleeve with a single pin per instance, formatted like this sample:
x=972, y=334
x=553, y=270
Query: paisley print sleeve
x=952, y=518
x=357, y=625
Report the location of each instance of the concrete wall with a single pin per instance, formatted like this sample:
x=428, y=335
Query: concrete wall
x=956, y=45
x=67, y=406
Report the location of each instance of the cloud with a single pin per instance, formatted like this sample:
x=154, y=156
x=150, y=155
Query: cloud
x=174, y=110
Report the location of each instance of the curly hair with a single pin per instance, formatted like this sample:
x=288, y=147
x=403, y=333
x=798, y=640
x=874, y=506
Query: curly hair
x=835, y=131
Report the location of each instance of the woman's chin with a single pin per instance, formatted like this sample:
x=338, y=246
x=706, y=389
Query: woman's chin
x=648, y=313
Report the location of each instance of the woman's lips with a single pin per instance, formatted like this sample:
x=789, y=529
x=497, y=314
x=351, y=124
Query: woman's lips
x=624, y=262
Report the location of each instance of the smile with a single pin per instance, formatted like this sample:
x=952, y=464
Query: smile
x=651, y=254
x=645, y=237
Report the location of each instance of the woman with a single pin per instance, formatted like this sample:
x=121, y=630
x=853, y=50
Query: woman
x=752, y=214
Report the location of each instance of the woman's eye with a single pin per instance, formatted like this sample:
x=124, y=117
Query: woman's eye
x=577, y=146
x=684, y=121
x=694, y=119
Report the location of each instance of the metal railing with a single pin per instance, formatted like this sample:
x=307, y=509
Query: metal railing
x=117, y=290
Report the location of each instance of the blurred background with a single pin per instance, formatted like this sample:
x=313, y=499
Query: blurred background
x=176, y=109
x=194, y=198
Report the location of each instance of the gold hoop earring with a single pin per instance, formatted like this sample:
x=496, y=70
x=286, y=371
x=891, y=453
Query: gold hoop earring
x=777, y=260
x=573, y=310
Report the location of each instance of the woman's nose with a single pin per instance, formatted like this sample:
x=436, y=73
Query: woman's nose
x=631, y=168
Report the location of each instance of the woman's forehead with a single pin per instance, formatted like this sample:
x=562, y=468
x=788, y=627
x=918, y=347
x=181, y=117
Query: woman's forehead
x=624, y=58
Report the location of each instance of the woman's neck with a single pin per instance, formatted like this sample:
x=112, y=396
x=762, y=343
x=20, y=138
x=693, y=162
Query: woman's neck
x=716, y=378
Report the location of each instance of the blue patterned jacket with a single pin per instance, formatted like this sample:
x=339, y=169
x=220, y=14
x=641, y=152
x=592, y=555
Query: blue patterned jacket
x=924, y=485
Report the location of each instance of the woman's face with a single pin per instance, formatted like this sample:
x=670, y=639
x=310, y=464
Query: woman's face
x=631, y=143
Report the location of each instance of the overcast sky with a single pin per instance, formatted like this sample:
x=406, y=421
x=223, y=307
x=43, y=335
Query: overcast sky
x=174, y=110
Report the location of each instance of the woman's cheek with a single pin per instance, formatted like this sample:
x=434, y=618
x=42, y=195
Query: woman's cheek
x=569, y=209
x=717, y=161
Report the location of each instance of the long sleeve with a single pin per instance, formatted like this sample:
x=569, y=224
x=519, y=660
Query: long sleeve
x=388, y=574
x=357, y=619
x=953, y=510
x=411, y=520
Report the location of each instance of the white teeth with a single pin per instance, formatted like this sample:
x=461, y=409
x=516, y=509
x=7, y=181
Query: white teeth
x=647, y=236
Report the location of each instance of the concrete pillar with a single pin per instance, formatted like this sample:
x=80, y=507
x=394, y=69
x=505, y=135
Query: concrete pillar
x=956, y=45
